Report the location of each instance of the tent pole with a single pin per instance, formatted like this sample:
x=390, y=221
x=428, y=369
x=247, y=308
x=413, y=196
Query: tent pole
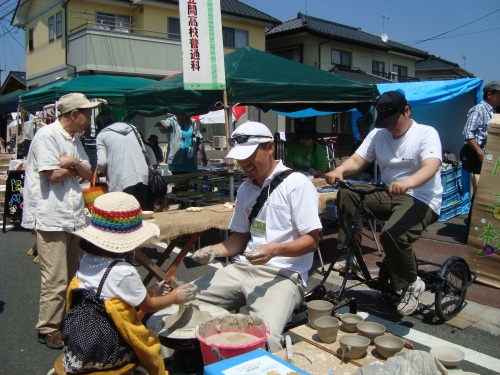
x=230, y=165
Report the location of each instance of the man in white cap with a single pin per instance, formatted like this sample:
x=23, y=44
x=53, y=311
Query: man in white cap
x=272, y=248
x=53, y=206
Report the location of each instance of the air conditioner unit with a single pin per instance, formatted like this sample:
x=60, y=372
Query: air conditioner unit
x=219, y=142
x=393, y=76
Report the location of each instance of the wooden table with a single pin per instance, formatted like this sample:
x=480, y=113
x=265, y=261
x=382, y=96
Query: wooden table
x=319, y=358
x=175, y=225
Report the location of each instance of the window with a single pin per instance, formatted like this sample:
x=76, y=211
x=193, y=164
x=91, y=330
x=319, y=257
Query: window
x=174, y=28
x=30, y=40
x=402, y=71
x=234, y=38
x=114, y=22
x=292, y=53
x=58, y=24
x=341, y=57
x=51, y=29
x=378, y=68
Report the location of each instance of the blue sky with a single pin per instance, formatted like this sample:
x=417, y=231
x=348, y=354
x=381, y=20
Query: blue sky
x=476, y=37
x=413, y=21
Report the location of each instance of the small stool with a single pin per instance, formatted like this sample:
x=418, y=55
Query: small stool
x=126, y=369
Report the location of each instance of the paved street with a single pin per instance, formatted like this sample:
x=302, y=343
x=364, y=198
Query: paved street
x=20, y=282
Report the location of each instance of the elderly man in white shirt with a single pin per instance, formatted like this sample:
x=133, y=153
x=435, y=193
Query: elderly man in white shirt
x=53, y=207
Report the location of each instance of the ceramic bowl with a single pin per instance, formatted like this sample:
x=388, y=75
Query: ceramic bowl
x=388, y=346
x=147, y=215
x=349, y=321
x=370, y=330
x=448, y=355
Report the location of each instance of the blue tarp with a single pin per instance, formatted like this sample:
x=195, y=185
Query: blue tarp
x=417, y=93
x=431, y=92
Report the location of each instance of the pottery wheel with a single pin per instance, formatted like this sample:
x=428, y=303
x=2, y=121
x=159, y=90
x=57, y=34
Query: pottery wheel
x=181, y=320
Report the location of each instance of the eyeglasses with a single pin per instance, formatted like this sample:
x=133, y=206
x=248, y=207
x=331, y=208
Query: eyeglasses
x=243, y=138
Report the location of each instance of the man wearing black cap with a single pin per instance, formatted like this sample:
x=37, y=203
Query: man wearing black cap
x=153, y=143
x=409, y=157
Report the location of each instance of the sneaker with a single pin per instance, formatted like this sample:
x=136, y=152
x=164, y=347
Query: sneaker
x=409, y=302
x=53, y=339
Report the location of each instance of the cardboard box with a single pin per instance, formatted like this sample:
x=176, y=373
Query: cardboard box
x=484, y=234
x=256, y=362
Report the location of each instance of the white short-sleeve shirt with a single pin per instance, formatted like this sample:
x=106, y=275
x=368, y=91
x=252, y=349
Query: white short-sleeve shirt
x=290, y=212
x=401, y=158
x=46, y=205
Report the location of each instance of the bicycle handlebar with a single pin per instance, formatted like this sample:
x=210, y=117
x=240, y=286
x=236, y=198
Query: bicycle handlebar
x=377, y=187
x=328, y=139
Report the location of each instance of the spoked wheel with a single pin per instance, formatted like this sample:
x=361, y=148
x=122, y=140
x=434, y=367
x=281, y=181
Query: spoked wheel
x=454, y=277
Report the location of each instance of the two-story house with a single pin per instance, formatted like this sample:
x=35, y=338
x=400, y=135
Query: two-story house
x=123, y=37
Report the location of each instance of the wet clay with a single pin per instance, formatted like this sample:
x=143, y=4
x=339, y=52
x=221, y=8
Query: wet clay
x=232, y=338
x=186, y=318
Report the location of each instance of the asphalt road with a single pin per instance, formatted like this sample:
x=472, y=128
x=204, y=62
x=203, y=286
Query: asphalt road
x=22, y=354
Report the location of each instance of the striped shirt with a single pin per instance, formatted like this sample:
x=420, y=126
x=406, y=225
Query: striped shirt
x=476, y=126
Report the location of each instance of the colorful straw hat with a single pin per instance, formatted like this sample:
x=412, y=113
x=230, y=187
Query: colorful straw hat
x=116, y=224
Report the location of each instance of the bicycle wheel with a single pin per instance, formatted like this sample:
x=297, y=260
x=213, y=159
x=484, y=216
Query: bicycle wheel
x=454, y=280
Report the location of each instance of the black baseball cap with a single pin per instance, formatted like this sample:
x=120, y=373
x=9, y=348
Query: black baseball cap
x=389, y=106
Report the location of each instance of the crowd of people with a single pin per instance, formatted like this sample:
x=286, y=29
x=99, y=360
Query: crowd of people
x=275, y=227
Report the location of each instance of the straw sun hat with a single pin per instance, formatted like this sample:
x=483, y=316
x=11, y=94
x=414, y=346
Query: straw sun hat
x=116, y=224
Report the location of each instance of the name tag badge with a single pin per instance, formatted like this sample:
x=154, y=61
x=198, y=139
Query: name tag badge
x=258, y=227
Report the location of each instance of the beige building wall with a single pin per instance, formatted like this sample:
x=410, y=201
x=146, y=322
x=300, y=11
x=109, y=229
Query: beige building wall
x=46, y=56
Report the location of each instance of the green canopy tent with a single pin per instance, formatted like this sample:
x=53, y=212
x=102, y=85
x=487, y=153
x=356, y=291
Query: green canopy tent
x=259, y=79
x=93, y=86
x=8, y=102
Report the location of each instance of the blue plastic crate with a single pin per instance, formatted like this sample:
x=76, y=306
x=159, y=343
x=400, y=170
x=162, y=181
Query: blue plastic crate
x=451, y=198
x=449, y=212
x=451, y=177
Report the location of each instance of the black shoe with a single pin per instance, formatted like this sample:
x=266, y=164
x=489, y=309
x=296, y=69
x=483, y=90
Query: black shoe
x=53, y=339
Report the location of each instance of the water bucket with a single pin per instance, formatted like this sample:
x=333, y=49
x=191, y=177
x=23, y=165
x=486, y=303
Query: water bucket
x=236, y=330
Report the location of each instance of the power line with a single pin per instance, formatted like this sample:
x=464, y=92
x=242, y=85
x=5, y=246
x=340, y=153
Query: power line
x=456, y=28
x=466, y=34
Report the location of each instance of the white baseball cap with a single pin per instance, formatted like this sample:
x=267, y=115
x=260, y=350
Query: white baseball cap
x=246, y=138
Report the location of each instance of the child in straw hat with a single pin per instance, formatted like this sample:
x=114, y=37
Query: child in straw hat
x=116, y=228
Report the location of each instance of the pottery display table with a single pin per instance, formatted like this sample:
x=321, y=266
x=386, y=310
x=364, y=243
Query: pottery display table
x=316, y=357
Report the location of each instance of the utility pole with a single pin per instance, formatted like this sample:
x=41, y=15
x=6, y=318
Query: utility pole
x=464, y=58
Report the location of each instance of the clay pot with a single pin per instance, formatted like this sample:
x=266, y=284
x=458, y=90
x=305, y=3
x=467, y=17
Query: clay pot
x=327, y=327
x=349, y=321
x=317, y=309
x=354, y=346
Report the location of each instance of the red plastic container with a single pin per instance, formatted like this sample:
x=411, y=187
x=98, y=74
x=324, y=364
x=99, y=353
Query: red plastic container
x=213, y=352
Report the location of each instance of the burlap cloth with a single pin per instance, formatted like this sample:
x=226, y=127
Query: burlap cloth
x=178, y=223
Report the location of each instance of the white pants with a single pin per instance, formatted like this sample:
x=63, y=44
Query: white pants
x=267, y=292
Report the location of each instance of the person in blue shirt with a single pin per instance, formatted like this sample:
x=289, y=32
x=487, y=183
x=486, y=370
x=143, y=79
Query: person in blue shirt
x=184, y=142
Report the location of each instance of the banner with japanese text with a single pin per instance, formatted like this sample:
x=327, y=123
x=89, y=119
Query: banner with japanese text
x=202, y=46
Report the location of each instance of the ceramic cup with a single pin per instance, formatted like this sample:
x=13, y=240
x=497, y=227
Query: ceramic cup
x=327, y=327
x=317, y=309
x=353, y=346
x=349, y=321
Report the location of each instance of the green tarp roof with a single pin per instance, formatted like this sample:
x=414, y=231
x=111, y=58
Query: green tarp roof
x=93, y=86
x=8, y=102
x=255, y=78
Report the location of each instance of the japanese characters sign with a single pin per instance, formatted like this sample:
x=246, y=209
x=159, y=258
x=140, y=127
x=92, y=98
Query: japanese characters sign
x=202, y=47
x=13, y=206
x=484, y=235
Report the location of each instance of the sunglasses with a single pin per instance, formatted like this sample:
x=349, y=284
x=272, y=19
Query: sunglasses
x=243, y=138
